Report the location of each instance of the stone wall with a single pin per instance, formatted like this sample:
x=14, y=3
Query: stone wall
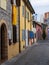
x=6, y=15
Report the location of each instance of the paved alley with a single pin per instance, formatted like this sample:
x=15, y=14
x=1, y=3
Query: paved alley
x=36, y=55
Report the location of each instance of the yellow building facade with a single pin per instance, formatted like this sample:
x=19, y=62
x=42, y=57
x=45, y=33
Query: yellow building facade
x=26, y=12
x=8, y=27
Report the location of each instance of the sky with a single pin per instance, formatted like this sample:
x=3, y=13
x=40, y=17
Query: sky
x=40, y=7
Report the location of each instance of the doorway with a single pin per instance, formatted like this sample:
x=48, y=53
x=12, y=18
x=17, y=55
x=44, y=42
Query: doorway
x=4, y=46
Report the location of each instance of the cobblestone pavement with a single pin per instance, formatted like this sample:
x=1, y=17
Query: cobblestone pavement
x=36, y=55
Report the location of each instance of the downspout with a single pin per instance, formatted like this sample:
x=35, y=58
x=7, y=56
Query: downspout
x=30, y=21
x=25, y=24
x=19, y=28
x=0, y=43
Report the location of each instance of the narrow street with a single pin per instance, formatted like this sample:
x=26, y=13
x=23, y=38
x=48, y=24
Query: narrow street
x=24, y=32
x=38, y=54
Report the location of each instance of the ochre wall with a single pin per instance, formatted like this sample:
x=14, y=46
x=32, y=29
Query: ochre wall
x=29, y=23
x=13, y=50
x=22, y=26
x=23, y=22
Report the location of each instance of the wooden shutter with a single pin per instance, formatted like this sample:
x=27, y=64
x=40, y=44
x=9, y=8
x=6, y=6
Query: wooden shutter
x=11, y=1
x=18, y=3
x=14, y=34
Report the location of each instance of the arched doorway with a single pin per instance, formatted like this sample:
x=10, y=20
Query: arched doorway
x=4, y=46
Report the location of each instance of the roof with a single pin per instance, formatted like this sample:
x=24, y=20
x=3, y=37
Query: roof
x=28, y=4
x=44, y=24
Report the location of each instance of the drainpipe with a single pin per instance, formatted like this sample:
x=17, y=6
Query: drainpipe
x=30, y=21
x=19, y=28
x=0, y=43
x=25, y=24
x=18, y=3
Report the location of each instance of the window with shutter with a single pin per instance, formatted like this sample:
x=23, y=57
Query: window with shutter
x=14, y=34
x=23, y=11
x=17, y=2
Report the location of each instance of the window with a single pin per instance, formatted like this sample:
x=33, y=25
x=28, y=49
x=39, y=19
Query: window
x=34, y=25
x=14, y=2
x=3, y=4
x=23, y=11
x=27, y=15
x=14, y=34
x=23, y=35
